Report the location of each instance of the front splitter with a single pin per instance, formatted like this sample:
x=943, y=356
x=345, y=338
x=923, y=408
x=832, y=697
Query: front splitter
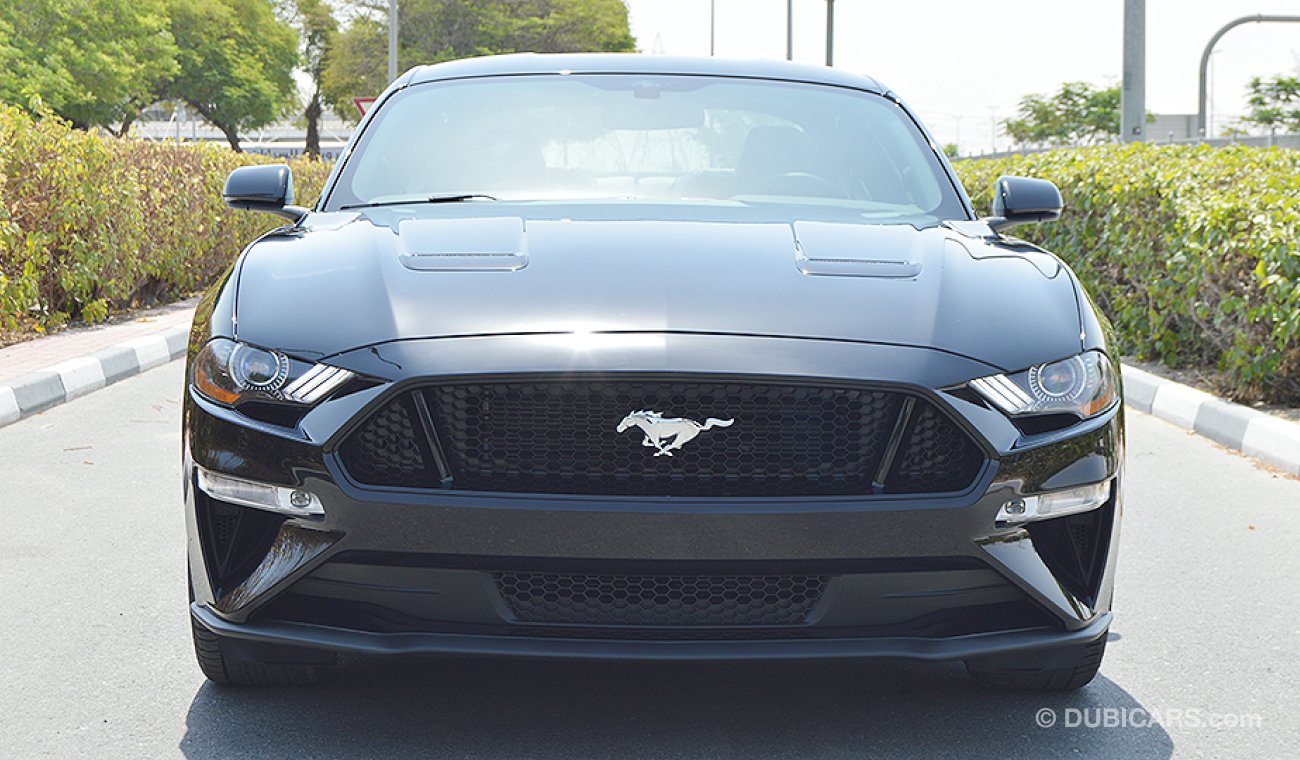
x=1041, y=645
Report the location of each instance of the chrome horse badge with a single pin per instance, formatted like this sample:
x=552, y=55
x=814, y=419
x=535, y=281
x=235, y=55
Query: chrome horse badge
x=658, y=429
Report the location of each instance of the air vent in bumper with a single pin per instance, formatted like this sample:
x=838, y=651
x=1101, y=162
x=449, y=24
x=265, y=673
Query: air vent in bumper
x=652, y=600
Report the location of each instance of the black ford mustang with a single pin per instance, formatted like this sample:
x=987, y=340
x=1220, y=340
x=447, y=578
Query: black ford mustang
x=635, y=357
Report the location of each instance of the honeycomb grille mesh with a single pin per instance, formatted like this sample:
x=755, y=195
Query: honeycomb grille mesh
x=389, y=448
x=560, y=436
x=935, y=455
x=660, y=600
x=223, y=529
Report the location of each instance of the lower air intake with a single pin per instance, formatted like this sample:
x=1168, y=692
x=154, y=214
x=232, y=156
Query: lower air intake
x=660, y=600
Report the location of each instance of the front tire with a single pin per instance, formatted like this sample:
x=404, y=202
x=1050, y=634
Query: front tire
x=229, y=663
x=1084, y=661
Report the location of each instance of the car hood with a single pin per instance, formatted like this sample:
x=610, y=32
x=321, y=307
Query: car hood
x=345, y=281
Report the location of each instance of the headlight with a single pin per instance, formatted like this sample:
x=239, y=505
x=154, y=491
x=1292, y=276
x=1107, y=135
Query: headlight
x=230, y=372
x=1084, y=385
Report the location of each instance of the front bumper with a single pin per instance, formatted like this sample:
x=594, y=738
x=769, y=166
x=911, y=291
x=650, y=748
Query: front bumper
x=395, y=572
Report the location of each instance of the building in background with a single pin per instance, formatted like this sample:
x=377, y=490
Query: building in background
x=284, y=139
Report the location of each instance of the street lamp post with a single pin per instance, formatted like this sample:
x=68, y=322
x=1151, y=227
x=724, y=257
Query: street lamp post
x=1209, y=116
x=830, y=32
x=789, y=30
x=1202, y=97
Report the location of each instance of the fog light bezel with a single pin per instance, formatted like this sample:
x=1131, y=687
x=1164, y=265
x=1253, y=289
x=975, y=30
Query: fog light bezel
x=1027, y=508
x=255, y=494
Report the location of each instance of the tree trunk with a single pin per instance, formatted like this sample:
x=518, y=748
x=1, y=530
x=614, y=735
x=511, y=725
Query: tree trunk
x=232, y=136
x=312, y=115
x=124, y=128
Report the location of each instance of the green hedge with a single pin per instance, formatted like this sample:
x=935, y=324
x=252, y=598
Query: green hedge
x=1190, y=250
x=91, y=225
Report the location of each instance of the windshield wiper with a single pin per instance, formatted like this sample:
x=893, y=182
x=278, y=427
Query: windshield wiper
x=447, y=198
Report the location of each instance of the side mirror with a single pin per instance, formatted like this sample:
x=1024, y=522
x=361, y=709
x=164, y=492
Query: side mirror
x=1021, y=200
x=262, y=188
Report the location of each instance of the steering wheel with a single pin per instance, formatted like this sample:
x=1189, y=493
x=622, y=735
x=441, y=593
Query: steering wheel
x=797, y=183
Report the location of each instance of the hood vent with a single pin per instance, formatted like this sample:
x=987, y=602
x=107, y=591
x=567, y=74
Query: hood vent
x=489, y=244
x=465, y=262
x=858, y=267
x=855, y=250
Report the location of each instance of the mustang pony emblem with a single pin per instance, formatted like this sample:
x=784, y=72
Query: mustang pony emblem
x=659, y=429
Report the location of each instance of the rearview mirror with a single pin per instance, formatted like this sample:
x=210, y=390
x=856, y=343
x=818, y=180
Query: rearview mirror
x=262, y=188
x=1021, y=200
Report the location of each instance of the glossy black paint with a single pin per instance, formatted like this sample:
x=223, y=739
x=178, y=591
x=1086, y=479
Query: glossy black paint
x=593, y=288
x=1022, y=200
x=594, y=268
x=526, y=64
x=262, y=188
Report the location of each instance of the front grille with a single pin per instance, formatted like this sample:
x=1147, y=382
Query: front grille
x=560, y=436
x=660, y=600
x=935, y=455
x=390, y=449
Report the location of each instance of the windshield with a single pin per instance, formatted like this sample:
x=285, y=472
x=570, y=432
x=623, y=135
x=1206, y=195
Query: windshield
x=682, y=139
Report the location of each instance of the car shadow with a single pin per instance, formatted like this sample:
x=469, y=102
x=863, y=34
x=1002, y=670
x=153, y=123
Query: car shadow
x=484, y=707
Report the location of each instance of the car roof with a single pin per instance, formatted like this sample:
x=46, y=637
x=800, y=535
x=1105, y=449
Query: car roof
x=632, y=63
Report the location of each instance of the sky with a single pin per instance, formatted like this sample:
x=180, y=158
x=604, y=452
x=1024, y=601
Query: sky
x=963, y=66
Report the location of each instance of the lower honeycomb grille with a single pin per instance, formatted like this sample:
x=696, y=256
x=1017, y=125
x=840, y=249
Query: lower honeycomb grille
x=660, y=600
x=563, y=436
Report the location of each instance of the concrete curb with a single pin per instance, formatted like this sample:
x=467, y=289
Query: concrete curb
x=37, y=391
x=1269, y=439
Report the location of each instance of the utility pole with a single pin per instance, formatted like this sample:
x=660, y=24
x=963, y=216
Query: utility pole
x=1133, y=95
x=789, y=30
x=392, y=40
x=830, y=32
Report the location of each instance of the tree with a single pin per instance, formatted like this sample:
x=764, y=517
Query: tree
x=1077, y=113
x=96, y=63
x=236, y=61
x=564, y=26
x=317, y=32
x=357, y=65
x=430, y=31
x=1274, y=103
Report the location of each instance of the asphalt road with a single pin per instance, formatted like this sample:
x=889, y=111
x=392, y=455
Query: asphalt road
x=95, y=655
